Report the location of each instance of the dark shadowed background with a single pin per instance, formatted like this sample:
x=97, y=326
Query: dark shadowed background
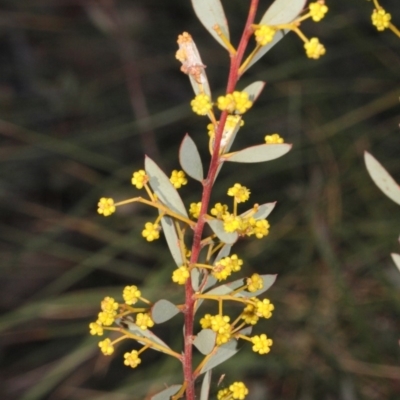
x=87, y=88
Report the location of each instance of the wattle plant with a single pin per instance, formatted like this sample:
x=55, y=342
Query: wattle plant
x=204, y=263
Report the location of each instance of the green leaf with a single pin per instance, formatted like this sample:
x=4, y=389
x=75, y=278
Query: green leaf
x=263, y=211
x=163, y=310
x=279, y=35
x=163, y=188
x=254, y=90
x=222, y=353
x=282, y=12
x=128, y=324
x=205, y=341
x=190, y=160
x=396, y=260
x=382, y=178
x=205, y=386
x=166, y=393
x=217, y=227
x=211, y=281
x=210, y=13
x=172, y=239
x=259, y=153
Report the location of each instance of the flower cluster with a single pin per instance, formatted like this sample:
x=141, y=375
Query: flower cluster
x=236, y=102
x=265, y=34
x=380, y=19
x=237, y=390
x=226, y=266
x=273, y=139
x=114, y=313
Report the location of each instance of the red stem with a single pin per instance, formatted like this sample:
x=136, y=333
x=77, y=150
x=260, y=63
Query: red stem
x=233, y=78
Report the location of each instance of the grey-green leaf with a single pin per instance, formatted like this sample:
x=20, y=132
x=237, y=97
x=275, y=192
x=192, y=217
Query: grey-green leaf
x=282, y=12
x=190, y=160
x=163, y=188
x=205, y=341
x=268, y=281
x=259, y=153
x=382, y=178
x=279, y=35
x=132, y=327
x=172, y=239
x=205, y=386
x=263, y=211
x=163, y=310
x=396, y=260
x=211, y=13
x=221, y=354
x=224, y=252
x=195, y=278
x=254, y=90
x=217, y=227
x=166, y=394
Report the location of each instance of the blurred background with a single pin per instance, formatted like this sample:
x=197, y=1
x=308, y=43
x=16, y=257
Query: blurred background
x=87, y=88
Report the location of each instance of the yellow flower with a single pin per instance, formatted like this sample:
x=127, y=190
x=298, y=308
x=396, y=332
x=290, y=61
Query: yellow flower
x=234, y=102
x=151, y=231
x=239, y=192
x=381, y=19
x=264, y=34
x=180, y=275
x=314, y=49
x=106, y=206
x=178, y=178
x=219, y=210
x=205, y=322
x=259, y=228
x=220, y=324
x=139, y=179
x=231, y=222
x=261, y=344
x=144, y=321
x=201, y=104
x=273, y=139
x=223, y=394
x=249, y=315
x=264, y=308
x=318, y=10
x=194, y=209
x=131, y=294
x=254, y=283
x=106, y=347
x=132, y=359
x=238, y=390
x=96, y=329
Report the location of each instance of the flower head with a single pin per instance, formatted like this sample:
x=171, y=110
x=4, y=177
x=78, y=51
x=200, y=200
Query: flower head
x=132, y=359
x=178, y=178
x=264, y=34
x=139, y=179
x=318, y=10
x=239, y=192
x=205, y=322
x=106, y=347
x=254, y=283
x=151, y=231
x=238, y=390
x=264, y=308
x=144, y=321
x=224, y=267
x=96, y=329
x=131, y=294
x=381, y=19
x=314, y=49
x=259, y=228
x=219, y=210
x=261, y=344
x=249, y=315
x=237, y=102
x=273, y=139
x=201, y=104
x=194, y=209
x=220, y=323
x=106, y=206
x=180, y=275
